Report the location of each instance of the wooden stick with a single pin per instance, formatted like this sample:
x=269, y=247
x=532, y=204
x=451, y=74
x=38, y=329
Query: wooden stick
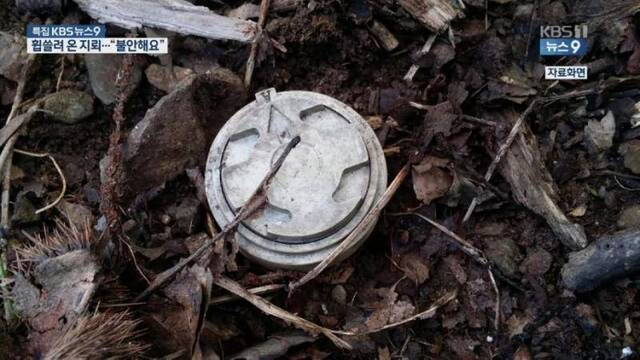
x=251, y=61
x=254, y=203
x=256, y=291
x=274, y=310
x=348, y=242
x=173, y=15
x=425, y=49
x=512, y=135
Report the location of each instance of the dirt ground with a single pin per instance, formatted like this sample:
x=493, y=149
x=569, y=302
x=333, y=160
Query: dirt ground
x=142, y=223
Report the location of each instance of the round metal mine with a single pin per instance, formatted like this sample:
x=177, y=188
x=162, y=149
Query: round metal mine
x=325, y=187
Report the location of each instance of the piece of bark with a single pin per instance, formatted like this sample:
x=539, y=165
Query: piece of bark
x=608, y=258
x=533, y=186
x=173, y=15
x=434, y=14
x=386, y=39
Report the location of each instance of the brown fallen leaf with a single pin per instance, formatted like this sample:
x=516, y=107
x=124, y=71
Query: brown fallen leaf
x=431, y=179
x=415, y=267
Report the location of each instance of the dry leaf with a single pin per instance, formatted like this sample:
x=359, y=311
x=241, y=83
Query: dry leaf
x=578, y=211
x=415, y=267
x=431, y=179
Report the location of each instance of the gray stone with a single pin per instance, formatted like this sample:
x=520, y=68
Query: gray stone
x=175, y=134
x=69, y=106
x=630, y=217
x=78, y=214
x=166, y=78
x=103, y=72
x=339, y=294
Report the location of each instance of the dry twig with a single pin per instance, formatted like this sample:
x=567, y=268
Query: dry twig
x=256, y=291
x=62, y=178
x=348, y=242
x=251, y=61
x=419, y=316
x=423, y=51
x=255, y=202
x=273, y=310
x=512, y=135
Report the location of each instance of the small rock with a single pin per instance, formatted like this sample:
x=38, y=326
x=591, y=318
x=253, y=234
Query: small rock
x=599, y=134
x=631, y=152
x=103, y=72
x=630, y=217
x=78, y=214
x=13, y=55
x=101, y=225
x=24, y=212
x=339, y=294
x=162, y=77
x=537, y=263
x=176, y=133
x=69, y=106
x=504, y=253
x=165, y=219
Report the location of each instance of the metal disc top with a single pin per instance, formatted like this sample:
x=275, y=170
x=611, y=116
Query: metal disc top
x=325, y=186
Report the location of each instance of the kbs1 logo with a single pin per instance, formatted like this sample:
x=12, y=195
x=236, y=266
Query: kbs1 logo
x=563, y=40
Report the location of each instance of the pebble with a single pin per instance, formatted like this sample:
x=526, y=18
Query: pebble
x=103, y=72
x=629, y=217
x=162, y=77
x=339, y=294
x=77, y=214
x=69, y=106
